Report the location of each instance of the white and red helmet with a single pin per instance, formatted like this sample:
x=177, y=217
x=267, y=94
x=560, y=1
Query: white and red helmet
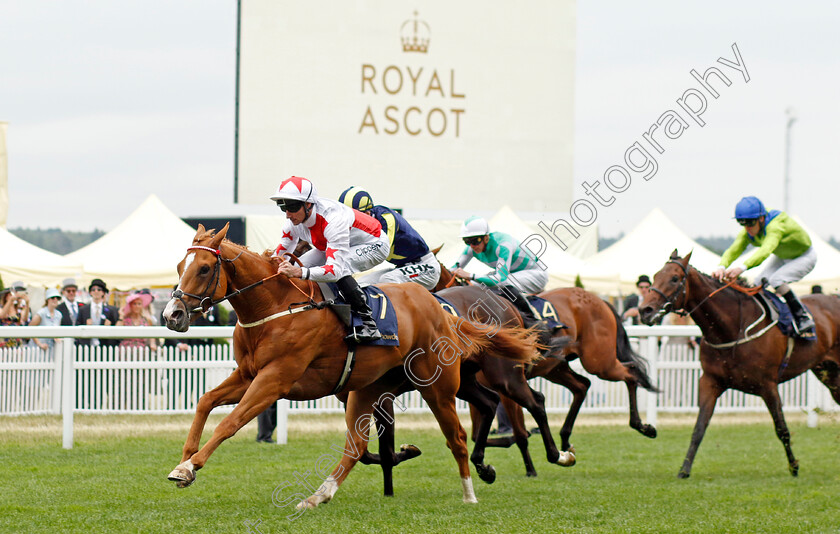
x=475, y=226
x=296, y=188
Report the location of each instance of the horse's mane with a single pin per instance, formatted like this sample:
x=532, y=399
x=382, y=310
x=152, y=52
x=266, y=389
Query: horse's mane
x=741, y=282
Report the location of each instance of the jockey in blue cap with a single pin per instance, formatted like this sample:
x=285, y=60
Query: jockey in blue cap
x=408, y=251
x=788, y=247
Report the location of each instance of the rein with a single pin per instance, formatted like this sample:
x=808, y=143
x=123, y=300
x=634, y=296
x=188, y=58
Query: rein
x=749, y=291
x=206, y=301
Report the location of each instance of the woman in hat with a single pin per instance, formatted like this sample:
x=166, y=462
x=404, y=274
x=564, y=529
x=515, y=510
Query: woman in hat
x=49, y=315
x=132, y=314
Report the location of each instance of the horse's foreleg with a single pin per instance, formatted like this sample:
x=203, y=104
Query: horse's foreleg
x=357, y=417
x=520, y=433
x=579, y=386
x=770, y=394
x=484, y=401
x=709, y=391
x=262, y=391
x=229, y=391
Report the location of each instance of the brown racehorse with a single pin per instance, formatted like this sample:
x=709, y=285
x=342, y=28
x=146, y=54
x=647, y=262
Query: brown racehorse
x=755, y=362
x=594, y=334
x=304, y=356
x=504, y=376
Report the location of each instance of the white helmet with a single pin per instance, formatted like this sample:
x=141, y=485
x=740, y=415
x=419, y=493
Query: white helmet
x=296, y=188
x=475, y=226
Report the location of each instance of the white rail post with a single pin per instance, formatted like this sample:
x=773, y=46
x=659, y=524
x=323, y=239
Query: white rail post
x=68, y=388
x=282, y=421
x=811, y=385
x=652, y=353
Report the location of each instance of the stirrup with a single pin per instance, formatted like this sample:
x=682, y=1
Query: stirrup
x=363, y=336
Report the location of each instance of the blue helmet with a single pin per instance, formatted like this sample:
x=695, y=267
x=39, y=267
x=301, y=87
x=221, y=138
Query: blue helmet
x=749, y=208
x=356, y=198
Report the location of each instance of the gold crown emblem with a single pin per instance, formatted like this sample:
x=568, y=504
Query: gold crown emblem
x=414, y=35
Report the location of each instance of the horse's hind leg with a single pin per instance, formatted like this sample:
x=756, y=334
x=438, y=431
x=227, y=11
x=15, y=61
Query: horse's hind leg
x=563, y=375
x=441, y=400
x=709, y=391
x=770, y=394
x=649, y=431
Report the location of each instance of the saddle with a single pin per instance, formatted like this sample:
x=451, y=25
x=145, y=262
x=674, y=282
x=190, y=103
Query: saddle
x=383, y=312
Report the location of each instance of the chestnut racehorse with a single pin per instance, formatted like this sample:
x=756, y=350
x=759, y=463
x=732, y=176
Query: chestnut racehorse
x=741, y=349
x=304, y=356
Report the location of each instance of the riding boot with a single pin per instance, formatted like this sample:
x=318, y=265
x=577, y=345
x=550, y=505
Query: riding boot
x=354, y=296
x=803, y=323
x=527, y=313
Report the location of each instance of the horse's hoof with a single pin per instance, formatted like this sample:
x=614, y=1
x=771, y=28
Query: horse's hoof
x=486, y=472
x=531, y=474
x=304, y=504
x=182, y=475
x=682, y=474
x=648, y=431
x=567, y=458
x=409, y=451
x=794, y=468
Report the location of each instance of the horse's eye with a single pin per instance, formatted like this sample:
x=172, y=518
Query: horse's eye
x=675, y=279
x=204, y=269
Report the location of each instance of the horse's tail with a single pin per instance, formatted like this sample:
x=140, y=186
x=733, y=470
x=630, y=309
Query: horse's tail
x=626, y=355
x=516, y=344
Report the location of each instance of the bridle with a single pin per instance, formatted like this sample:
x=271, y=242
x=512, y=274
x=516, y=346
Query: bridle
x=670, y=302
x=206, y=298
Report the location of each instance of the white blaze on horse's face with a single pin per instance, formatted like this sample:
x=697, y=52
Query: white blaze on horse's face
x=187, y=262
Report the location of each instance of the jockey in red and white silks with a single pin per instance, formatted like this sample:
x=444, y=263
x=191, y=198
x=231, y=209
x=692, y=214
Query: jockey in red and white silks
x=344, y=241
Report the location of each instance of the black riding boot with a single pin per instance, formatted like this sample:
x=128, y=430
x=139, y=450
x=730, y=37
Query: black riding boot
x=355, y=297
x=803, y=323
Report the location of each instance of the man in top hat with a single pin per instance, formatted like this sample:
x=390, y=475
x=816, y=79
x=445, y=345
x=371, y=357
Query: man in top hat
x=69, y=306
x=98, y=312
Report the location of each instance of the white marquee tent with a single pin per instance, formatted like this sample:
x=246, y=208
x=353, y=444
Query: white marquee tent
x=22, y=261
x=142, y=251
x=644, y=250
x=827, y=270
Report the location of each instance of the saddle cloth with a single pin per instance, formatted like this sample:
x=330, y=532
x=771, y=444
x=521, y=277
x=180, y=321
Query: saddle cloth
x=785, y=318
x=383, y=313
x=545, y=311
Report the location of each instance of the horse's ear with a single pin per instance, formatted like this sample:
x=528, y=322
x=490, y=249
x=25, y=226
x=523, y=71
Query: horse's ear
x=675, y=255
x=436, y=250
x=687, y=257
x=217, y=239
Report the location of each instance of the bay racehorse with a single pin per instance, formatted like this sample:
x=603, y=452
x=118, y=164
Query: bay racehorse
x=593, y=333
x=741, y=349
x=287, y=345
x=502, y=375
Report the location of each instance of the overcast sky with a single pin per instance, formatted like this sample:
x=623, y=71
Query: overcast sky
x=109, y=101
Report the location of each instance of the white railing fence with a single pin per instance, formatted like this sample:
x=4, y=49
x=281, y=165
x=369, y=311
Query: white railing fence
x=84, y=379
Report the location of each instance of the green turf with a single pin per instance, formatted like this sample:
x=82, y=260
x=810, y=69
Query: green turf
x=623, y=482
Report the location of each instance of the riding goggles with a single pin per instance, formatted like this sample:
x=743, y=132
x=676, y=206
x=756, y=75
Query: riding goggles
x=473, y=240
x=289, y=205
x=747, y=222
